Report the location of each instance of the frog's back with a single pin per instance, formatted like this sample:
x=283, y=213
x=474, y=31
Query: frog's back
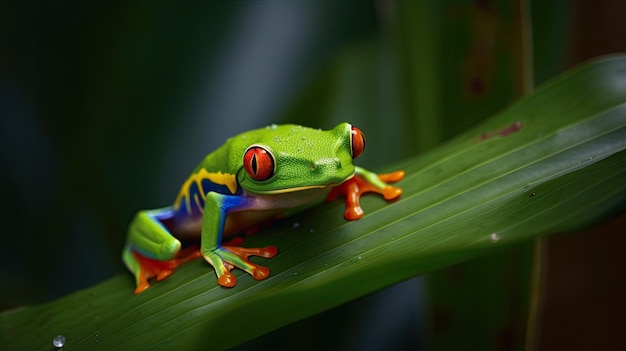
x=213, y=174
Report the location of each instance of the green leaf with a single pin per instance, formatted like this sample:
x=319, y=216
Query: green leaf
x=550, y=163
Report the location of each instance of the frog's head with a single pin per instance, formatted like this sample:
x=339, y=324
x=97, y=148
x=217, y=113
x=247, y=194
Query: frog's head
x=288, y=158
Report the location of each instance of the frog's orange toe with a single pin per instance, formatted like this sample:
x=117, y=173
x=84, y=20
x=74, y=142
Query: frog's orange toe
x=260, y=273
x=391, y=192
x=141, y=287
x=392, y=177
x=227, y=280
x=245, y=252
x=268, y=251
x=353, y=213
x=163, y=274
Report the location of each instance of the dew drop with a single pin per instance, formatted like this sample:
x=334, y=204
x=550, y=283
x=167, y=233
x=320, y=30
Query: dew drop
x=295, y=273
x=494, y=237
x=533, y=194
x=311, y=230
x=359, y=257
x=58, y=341
x=296, y=224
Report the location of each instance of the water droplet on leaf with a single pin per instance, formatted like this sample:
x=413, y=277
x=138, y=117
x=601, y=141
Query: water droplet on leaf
x=58, y=341
x=494, y=237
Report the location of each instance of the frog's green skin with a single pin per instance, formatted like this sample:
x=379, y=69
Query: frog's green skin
x=255, y=177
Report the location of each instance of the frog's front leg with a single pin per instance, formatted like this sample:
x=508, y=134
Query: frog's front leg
x=365, y=181
x=224, y=258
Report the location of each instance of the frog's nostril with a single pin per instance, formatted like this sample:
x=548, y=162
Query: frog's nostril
x=329, y=163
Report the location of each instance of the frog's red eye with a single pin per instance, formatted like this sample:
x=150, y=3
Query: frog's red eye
x=259, y=163
x=358, y=142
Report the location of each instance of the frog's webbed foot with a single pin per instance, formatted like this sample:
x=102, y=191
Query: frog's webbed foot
x=148, y=268
x=364, y=182
x=225, y=258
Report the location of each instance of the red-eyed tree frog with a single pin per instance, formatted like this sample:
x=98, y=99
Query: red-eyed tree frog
x=254, y=178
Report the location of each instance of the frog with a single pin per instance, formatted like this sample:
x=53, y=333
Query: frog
x=253, y=179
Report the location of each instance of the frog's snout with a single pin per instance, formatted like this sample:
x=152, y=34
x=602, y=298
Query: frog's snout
x=326, y=164
x=333, y=170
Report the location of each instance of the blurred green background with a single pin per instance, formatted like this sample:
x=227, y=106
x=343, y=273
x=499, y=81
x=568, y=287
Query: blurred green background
x=107, y=106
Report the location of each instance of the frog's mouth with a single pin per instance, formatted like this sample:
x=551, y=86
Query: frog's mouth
x=302, y=188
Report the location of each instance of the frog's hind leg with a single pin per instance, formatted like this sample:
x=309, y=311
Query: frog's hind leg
x=132, y=262
x=145, y=268
x=151, y=251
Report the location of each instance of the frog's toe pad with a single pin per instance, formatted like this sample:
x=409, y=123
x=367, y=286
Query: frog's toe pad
x=391, y=192
x=353, y=212
x=269, y=251
x=260, y=273
x=141, y=287
x=392, y=177
x=227, y=280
